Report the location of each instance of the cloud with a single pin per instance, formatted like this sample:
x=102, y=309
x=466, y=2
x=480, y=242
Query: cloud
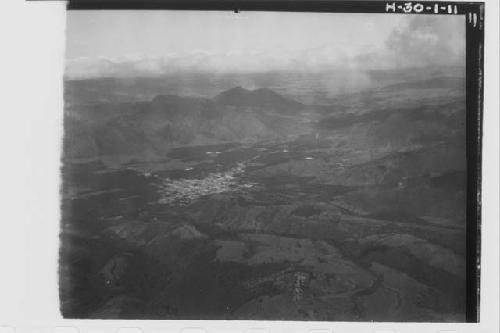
x=234, y=62
x=428, y=40
x=420, y=41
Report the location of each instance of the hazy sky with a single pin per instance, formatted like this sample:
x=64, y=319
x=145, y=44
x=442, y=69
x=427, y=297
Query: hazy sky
x=132, y=42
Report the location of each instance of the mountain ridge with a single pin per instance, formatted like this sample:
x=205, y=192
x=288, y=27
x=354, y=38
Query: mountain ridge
x=258, y=98
x=168, y=120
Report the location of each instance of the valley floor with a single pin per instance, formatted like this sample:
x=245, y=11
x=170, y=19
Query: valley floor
x=295, y=230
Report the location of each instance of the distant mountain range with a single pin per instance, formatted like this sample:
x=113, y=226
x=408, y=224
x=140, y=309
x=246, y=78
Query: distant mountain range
x=308, y=88
x=373, y=119
x=259, y=98
x=102, y=129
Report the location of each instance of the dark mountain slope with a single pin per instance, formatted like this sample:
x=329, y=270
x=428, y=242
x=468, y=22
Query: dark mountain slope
x=172, y=106
x=259, y=98
x=107, y=129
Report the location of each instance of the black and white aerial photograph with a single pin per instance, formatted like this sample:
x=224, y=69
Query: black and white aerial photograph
x=263, y=166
